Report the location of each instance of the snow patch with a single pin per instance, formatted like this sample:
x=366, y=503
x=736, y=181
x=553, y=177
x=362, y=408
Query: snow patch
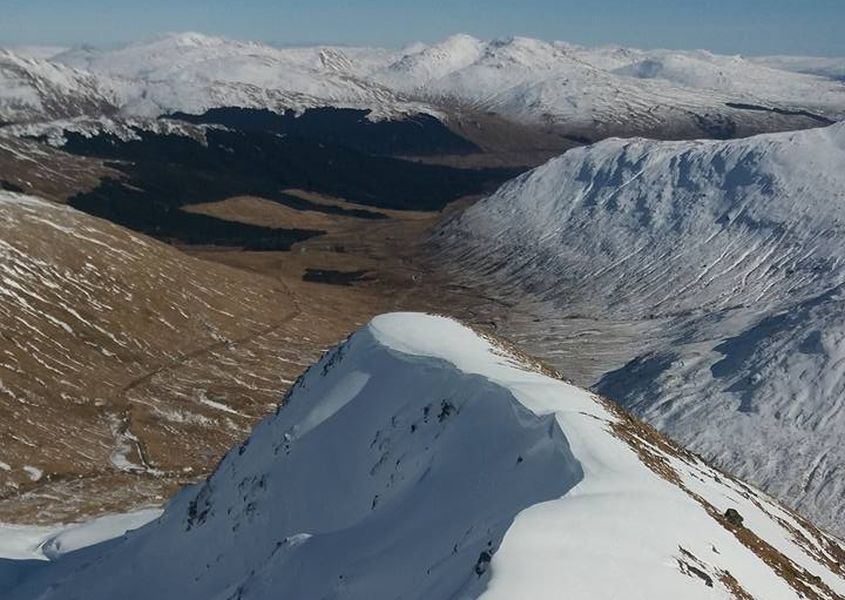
x=34, y=473
x=335, y=399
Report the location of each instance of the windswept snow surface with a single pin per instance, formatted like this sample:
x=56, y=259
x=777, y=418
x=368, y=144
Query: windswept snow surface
x=452, y=468
x=717, y=270
x=44, y=542
x=25, y=548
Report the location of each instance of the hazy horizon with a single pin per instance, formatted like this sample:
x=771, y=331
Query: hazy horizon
x=304, y=44
x=751, y=27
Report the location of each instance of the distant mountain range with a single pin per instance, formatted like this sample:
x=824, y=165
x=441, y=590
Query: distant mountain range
x=589, y=92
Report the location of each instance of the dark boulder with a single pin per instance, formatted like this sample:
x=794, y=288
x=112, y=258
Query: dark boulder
x=733, y=517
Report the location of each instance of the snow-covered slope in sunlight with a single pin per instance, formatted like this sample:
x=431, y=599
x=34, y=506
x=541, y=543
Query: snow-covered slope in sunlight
x=37, y=51
x=592, y=92
x=830, y=67
x=732, y=74
x=55, y=132
x=191, y=72
x=556, y=83
x=718, y=266
x=669, y=227
x=761, y=397
x=48, y=542
x=420, y=460
x=35, y=89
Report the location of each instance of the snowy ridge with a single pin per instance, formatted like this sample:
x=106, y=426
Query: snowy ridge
x=419, y=460
x=36, y=89
x=723, y=218
x=718, y=266
x=532, y=80
x=55, y=132
x=602, y=91
x=193, y=73
x=39, y=52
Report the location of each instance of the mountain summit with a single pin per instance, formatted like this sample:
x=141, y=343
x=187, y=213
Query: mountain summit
x=421, y=460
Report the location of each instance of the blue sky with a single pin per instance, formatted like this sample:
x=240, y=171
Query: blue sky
x=738, y=26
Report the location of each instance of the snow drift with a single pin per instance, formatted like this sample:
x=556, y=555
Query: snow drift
x=420, y=460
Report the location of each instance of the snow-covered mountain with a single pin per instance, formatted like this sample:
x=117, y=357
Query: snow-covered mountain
x=192, y=73
x=36, y=89
x=36, y=51
x=701, y=281
x=674, y=227
x=592, y=92
x=555, y=83
x=420, y=460
x=830, y=67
